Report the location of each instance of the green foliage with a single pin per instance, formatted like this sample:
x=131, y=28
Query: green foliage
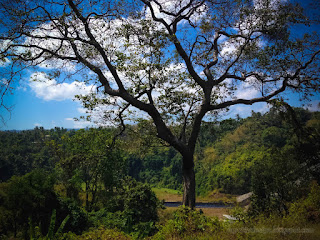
x=160, y=166
x=229, y=156
x=240, y=214
x=129, y=198
x=280, y=176
x=227, y=163
x=51, y=231
x=270, y=227
x=275, y=155
x=22, y=151
x=78, y=218
x=274, y=136
x=278, y=145
x=88, y=164
x=133, y=209
x=30, y=200
x=307, y=209
x=97, y=233
x=52, y=225
x=30, y=196
x=270, y=182
x=189, y=223
x=62, y=225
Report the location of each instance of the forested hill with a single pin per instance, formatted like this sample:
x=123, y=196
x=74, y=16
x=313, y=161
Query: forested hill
x=237, y=155
x=83, y=179
x=232, y=155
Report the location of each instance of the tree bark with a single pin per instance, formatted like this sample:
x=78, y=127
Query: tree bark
x=189, y=186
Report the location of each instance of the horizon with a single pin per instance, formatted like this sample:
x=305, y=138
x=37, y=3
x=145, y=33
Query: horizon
x=235, y=116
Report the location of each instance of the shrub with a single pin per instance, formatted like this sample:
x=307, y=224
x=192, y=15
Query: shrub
x=307, y=209
x=28, y=201
x=136, y=201
x=97, y=233
x=133, y=209
x=27, y=197
x=78, y=221
x=189, y=223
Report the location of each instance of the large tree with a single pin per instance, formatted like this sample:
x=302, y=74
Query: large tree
x=174, y=62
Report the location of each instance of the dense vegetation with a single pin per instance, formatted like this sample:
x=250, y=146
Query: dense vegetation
x=80, y=184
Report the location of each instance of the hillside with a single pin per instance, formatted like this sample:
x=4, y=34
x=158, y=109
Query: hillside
x=74, y=174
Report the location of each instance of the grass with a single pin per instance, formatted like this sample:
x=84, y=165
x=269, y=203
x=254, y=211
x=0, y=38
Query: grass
x=209, y=212
x=168, y=195
x=215, y=212
x=192, y=227
x=171, y=195
x=217, y=197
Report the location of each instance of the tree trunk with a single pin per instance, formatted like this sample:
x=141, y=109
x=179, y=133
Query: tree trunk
x=87, y=197
x=189, y=186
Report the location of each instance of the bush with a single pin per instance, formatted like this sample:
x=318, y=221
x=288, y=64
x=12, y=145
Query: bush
x=307, y=209
x=78, y=221
x=28, y=201
x=133, y=209
x=97, y=233
x=27, y=197
x=188, y=223
x=301, y=222
x=136, y=201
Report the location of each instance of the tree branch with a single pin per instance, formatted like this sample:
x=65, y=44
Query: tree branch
x=249, y=101
x=98, y=47
x=178, y=46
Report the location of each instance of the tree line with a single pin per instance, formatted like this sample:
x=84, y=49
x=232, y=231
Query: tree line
x=226, y=153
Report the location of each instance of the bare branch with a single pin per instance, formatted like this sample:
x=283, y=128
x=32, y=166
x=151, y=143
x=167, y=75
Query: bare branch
x=99, y=48
x=249, y=101
x=178, y=46
x=122, y=126
x=160, y=20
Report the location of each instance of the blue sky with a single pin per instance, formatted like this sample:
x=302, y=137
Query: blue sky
x=35, y=104
x=30, y=110
x=31, y=107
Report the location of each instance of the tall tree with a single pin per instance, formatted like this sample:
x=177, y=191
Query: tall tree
x=174, y=62
x=85, y=158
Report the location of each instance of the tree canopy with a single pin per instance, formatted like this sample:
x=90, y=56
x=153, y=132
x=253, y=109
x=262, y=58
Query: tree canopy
x=174, y=62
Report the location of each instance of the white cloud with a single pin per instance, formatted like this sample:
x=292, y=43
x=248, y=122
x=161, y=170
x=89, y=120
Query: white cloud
x=174, y=6
x=53, y=124
x=49, y=31
x=250, y=23
x=247, y=91
x=80, y=124
x=4, y=82
x=37, y=124
x=109, y=40
x=255, y=20
x=229, y=48
x=273, y=4
x=58, y=64
x=245, y=110
x=4, y=62
x=82, y=110
x=314, y=106
x=22, y=88
x=48, y=89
